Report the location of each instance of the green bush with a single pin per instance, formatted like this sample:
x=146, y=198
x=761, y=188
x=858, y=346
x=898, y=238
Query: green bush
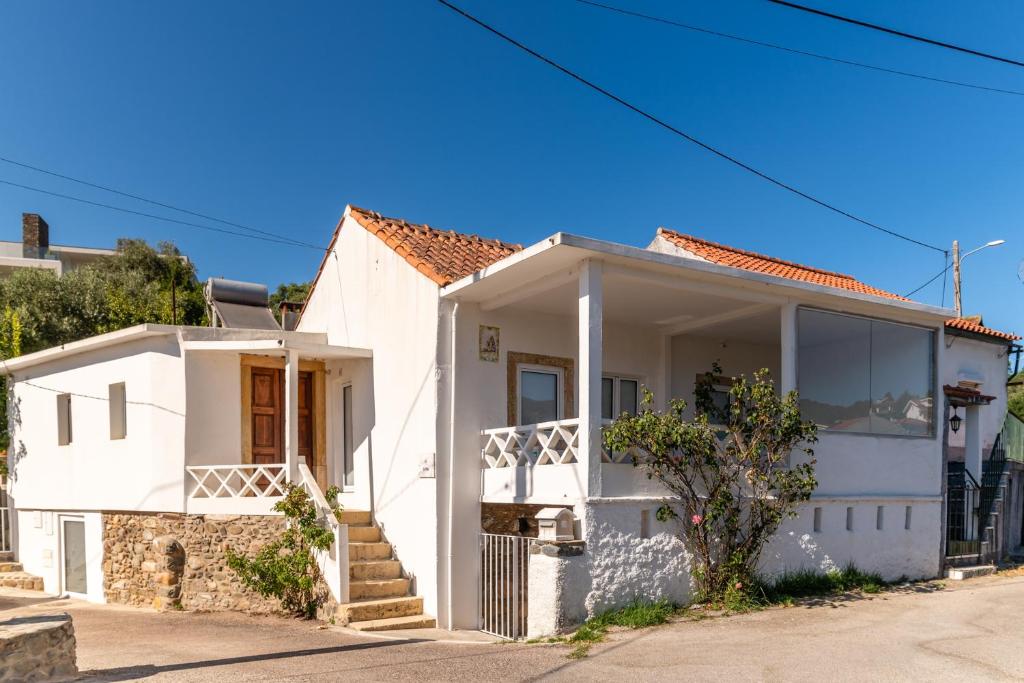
x=287, y=569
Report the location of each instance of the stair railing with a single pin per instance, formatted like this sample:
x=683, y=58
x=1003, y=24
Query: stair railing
x=333, y=562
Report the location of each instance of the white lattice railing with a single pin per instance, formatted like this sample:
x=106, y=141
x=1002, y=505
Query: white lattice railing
x=546, y=443
x=236, y=481
x=333, y=562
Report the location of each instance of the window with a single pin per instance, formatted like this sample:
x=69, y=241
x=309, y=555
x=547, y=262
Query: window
x=118, y=411
x=540, y=389
x=619, y=395
x=347, y=455
x=721, y=398
x=866, y=376
x=63, y=419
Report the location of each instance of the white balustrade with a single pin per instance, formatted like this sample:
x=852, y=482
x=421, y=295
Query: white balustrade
x=234, y=489
x=333, y=562
x=546, y=443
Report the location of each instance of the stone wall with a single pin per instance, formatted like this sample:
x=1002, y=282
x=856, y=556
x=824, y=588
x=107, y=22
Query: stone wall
x=40, y=647
x=510, y=519
x=143, y=563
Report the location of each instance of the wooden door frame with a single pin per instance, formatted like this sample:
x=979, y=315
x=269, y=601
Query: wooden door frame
x=248, y=361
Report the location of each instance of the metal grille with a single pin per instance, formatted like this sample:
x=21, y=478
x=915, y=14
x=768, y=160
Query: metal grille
x=963, y=498
x=504, y=567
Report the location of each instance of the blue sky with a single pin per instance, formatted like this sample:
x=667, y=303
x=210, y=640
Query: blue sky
x=276, y=115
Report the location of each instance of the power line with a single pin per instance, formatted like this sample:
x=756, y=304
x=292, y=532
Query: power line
x=152, y=201
x=901, y=34
x=774, y=46
x=931, y=280
x=680, y=133
x=161, y=218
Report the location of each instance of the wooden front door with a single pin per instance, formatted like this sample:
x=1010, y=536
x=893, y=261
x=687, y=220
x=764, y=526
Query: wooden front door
x=267, y=416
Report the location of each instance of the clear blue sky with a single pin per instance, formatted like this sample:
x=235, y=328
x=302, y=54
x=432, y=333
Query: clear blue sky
x=278, y=114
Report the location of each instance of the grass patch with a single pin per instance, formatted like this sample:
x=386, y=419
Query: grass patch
x=638, y=614
x=806, y=583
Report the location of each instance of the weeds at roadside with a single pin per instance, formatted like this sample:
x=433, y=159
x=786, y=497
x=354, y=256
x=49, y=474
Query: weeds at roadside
x=639, y=614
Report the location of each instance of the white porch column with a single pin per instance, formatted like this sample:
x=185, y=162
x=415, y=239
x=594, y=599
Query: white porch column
x=591, y=337
x=291, y=414
x=787, y=348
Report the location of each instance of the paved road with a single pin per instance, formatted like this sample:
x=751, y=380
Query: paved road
x=970, y=631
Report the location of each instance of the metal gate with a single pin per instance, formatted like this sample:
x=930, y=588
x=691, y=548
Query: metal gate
x=504, y=567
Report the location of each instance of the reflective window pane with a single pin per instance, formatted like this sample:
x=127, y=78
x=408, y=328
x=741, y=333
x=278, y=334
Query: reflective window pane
x=901, y=380
x=834, y=369
x=607, y=395
x=628, y=400
x=539, y=397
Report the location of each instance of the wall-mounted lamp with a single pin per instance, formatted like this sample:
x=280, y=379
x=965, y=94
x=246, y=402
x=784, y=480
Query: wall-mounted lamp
x=954, y=422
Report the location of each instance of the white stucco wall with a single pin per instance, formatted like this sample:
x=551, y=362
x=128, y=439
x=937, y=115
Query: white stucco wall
x=39, y=548
x=143, y=471
x=213, y=433
x=367, y=296
x=978, y=361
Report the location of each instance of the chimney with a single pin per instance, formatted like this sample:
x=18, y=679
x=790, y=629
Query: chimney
x=289, y=314
x=35, y=236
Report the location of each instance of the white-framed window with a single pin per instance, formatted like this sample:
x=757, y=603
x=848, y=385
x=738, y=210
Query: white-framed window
x=540, y=389
x=118, y=411
x=619, y=395
x=721, y=397
x=63, y=419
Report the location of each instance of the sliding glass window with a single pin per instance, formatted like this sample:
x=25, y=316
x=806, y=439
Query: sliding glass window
x=866, y=376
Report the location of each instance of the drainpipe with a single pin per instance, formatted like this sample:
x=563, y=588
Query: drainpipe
x=451, y=460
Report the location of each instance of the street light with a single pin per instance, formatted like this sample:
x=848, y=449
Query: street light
x=957, y=258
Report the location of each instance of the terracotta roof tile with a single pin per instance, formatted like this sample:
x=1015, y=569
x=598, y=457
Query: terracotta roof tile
x=759, y=263
x=442, y=255
x=975, y=326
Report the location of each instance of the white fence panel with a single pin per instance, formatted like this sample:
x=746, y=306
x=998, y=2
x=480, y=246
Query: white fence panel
x=504, y=568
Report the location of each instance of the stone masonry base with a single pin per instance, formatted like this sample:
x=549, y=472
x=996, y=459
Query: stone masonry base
x=171, y=560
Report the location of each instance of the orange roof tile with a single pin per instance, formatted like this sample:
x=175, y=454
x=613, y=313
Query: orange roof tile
x=443, y=256
x=975, y=326
x=759, y=263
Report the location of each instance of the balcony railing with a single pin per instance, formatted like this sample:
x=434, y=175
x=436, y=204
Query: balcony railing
x=234, y=489
x=545, y=443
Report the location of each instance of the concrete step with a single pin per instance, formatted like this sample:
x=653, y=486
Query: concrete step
x=420, y=621
x=355, y=517
x=375, y=589
x=363, y=534
x=369, y=551
x=369, y=570
x=21, y=580
x=11, y=567
x=387, y=608
x=961, y=573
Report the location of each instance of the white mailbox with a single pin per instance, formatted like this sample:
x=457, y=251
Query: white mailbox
x=555, y=524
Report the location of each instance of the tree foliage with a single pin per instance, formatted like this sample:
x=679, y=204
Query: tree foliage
x=10, y=346
x=287, y=569
x=291, y=291
x=728, y=470
x=133, y=286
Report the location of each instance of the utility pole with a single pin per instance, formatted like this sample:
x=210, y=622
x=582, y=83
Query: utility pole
x=956, y=279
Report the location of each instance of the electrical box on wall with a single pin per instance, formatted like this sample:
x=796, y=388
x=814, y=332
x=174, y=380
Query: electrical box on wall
x=427, y=469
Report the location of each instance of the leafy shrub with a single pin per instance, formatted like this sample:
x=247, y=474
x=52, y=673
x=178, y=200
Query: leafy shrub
x=728, y=471
x=638, y=614
x=287, y=569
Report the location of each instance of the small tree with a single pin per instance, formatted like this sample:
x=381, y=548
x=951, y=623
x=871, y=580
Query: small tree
x=10, y=346
x=286, y=569
x=728, y=470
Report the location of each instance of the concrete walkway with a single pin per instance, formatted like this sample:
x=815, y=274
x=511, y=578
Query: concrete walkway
x=968, y=631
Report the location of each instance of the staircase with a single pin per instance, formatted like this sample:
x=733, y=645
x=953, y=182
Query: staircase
x=13, y=575
x=379, y=595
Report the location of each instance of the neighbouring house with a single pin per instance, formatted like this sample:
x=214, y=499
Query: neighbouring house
x=455, y=388
x=35, y=250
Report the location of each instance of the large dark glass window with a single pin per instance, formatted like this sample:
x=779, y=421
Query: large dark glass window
x=866, y=376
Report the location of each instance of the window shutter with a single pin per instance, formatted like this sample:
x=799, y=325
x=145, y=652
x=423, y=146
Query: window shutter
x=118, y=411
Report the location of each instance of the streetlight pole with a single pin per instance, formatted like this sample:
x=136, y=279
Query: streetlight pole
x=957, y=258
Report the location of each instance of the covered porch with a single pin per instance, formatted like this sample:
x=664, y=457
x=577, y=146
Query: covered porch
x=578, y=347
x=263, y=411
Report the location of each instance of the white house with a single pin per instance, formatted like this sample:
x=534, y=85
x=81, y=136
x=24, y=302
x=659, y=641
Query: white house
x=35, y=251
x=455, y=387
